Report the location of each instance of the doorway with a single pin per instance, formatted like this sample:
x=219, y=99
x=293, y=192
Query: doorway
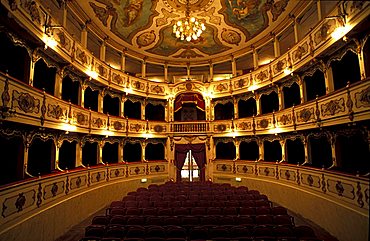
x=190, y=161
x=190, y=170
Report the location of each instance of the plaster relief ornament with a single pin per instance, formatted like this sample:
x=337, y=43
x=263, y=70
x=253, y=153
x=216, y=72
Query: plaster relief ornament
x=145, y=39
x=230, y=36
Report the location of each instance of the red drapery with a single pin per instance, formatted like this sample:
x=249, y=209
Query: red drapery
x=195, y=98
x=199, y=154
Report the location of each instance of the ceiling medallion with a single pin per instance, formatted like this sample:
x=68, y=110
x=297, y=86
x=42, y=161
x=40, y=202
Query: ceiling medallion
x=188, y=28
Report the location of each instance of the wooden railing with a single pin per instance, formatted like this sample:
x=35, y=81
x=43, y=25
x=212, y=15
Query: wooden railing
x=193, y=127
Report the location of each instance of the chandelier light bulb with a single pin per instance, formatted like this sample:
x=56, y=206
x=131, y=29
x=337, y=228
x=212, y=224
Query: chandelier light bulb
x=188, y=28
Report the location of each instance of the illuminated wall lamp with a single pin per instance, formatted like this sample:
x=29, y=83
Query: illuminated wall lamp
x=47, y=37
x=144, y=180
x=238, y=179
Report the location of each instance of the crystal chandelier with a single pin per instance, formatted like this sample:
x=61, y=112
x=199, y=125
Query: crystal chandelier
x=188, y=28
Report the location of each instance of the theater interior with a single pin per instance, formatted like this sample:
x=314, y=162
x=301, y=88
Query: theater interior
x=177, y=120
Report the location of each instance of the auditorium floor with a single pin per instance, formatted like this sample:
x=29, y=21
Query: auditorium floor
x=77, y=232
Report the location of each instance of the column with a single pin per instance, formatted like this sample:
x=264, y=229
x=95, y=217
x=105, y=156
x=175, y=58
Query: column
x=100, y=101
x=276, y=45
x=122, y=106
x=58, y=84
x=166, y=114
x=143, y=68
x=100, y=152
x=283, y=150
x=295, y=28
x=170, y=105
x=79, y=155
x=233, y=66
x=210, y=70
x=120, y=151
x=333, y=152
x=32, y=68
x=237, y=151
x=188, y=70
x=25, y=160
x=255, y=58
x=302, y=93
x=212, y=111
x=208, y=107
x=84, y=36
x=165, y=72
x=143, y=145
x=57, y=147
x=65, y=12
x=281, y=97
x=81, y=95
x=329, y=80
x=123, y=62
x=261, y=149
x=360, y=54
x=143, y=104
x=257, y=97
x=102, y=50
x=236, y=110
x=319, y=12
x=306, y=151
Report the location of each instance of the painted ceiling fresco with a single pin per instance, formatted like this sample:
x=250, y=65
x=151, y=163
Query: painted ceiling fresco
x=145, y=26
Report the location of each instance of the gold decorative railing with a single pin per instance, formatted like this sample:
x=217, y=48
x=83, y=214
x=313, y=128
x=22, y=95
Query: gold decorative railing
x=193, y=127
x=25, y=104
x=314, y=43
x=349, y=190
x=18, y=201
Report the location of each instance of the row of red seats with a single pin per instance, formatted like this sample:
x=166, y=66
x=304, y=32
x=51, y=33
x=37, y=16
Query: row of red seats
x=192, y=203
x=195, y=207
x=236, y=232
x=181, y=211
x=183, y=197
x=190, y=220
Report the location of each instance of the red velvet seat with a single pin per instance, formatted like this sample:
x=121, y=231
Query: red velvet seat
x=247, y=211
x=171, y=220
x=227, y=210
x=264, y=220
x=135, y=232
x=154, y=220
x=117, y=211
x=175, y=232
x=164, y=212
x=198, y=232
x=133, y=211
x=100, y=220
x=218, y=232
x=279, y=210
x=180, y=211
x=136, y=220
x=115, y=231
x=263, y=210
x=119, y=219
x=284, y=220
x=198, y=211
x=95, y=231
x=214, y=211
x=155, y=231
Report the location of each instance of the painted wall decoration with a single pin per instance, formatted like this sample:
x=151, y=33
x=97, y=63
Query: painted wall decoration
x=145, y=26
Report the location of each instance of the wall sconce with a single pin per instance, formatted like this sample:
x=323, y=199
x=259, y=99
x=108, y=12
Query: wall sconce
x=48, y=37
x=343, y=28
x=144, y=180
x=288, y=70
x=238, y=179
x=91, y=73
